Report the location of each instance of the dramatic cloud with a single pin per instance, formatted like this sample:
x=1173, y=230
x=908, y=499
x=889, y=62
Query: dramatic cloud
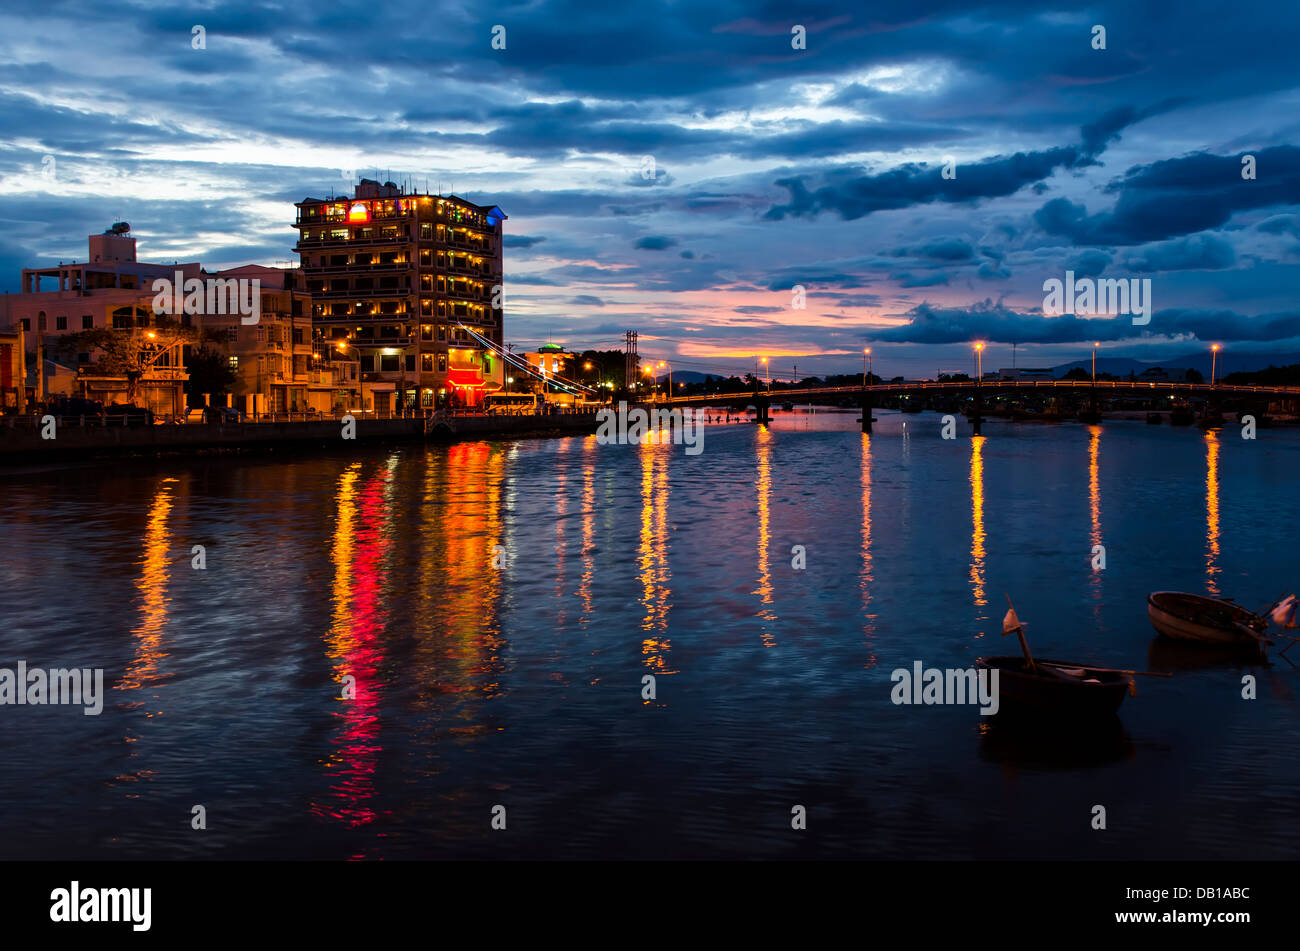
x=1202, y=252
x=655, y=242
x=1179, y=197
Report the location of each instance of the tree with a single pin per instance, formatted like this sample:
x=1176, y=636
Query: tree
x=1078, y=373
x=210, y=372
x=1195, y=376
x=130, y=352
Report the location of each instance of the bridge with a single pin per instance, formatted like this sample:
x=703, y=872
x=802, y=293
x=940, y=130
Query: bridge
x=865, y=395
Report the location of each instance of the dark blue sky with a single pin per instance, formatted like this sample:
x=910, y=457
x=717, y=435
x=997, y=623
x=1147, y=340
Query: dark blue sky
x=772, y=166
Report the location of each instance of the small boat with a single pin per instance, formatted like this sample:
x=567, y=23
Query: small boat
x=1061, y=690
x=1194, y=617
x=1058, y=688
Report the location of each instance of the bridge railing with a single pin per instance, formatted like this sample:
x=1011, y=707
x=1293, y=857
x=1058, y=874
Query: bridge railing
x=920, y=386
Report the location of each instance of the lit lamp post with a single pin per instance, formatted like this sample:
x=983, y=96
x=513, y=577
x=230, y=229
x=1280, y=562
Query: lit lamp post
x=670, y=376
x=979, y=383
x=767, y=376
x=867, y=407
x=1095, y=345
x=1214, y=362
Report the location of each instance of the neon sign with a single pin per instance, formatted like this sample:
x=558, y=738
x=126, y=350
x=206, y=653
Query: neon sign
x=358, y=214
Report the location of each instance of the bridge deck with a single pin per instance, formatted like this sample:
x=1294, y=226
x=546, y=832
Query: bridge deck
x=897, y=389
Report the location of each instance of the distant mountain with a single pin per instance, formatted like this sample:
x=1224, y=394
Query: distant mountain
x=1229, y=362
x=691, y=376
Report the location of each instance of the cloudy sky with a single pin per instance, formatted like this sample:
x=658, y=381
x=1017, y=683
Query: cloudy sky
x=677, y=168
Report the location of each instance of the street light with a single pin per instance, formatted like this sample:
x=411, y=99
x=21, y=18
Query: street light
x=866, y=362
x=979, y=362
x=670, y=376
x=766, y=376
x=1214, y=362
x=1095, y=345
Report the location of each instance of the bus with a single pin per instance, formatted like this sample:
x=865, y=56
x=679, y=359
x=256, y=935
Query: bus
x=510, y=404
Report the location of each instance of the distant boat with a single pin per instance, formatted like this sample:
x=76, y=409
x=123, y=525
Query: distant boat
x=1194, y=617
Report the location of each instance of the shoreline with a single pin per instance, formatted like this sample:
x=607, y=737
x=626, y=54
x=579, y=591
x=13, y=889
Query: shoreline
x=23, y=444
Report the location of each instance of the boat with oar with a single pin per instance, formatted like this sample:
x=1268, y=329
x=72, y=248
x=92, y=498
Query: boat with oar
x=1194, y=617
x=1056, y=688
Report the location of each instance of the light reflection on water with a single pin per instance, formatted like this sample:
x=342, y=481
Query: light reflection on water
x=512, y=674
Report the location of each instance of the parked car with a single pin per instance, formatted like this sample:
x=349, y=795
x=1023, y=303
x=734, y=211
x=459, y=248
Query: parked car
x=124, y=414
x=75, y=406
x=213, y=414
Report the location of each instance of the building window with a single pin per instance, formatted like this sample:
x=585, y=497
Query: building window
x=60, y=323
x=388, y=362
x=232, y=334
x=87, y=322
x=410, y=362
x=40, y=321
x=234, y=363
x=26, y=323
x=442, y=363
x=426, y=363
x=368, y=363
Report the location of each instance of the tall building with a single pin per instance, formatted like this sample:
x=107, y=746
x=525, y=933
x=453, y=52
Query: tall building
x=405, y=280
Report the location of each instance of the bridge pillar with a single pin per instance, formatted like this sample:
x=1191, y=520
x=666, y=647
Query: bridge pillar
x=977, y=421
x=866, y=412
x=764, y=407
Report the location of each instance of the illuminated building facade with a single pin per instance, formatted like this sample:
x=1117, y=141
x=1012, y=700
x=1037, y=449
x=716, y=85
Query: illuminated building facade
x=400, y=278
